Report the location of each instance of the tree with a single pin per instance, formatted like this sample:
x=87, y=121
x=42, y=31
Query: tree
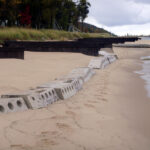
x=36, y=12
x=43, y=13
x=83, y=9
x=9, y=11
x=49, y=11
x=66, y=14
x=25, y=18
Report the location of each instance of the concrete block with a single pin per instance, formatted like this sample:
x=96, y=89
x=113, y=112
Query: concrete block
x=107, y=50
x=99, y=62
x=63, y=90
x=47, y=94
x=84, y=72
x=32, y=99
x=76, y=82
x=8, y=105
x=105, y=63
x=104, y=53
x=112, y=58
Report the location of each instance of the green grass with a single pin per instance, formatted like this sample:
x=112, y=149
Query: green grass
x=43, y=34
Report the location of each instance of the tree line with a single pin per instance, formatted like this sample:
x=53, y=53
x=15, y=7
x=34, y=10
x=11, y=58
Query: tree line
x=53, y=14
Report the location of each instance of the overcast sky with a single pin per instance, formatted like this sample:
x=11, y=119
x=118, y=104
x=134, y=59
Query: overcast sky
x=121, y=16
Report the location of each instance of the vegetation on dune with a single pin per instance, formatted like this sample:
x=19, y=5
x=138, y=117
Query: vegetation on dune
x=43, y=34
x=46, y=20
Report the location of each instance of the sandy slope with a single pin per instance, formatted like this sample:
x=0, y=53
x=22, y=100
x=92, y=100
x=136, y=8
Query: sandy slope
x=110, y=113
x=37, y=68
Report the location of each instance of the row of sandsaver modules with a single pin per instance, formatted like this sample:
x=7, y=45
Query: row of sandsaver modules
x=60, y=89
x=48, y=93
x=103, y=60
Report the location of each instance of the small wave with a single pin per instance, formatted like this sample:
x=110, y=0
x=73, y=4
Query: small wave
x=145, y=58
x=145, y=72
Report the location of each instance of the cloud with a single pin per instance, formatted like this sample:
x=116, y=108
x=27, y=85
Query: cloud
x=121, y=16
x=143, y=29
x=141, y=1
x=120, y=12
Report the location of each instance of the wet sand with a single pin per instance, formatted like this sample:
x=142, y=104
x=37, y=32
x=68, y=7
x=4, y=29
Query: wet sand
x=110, y=113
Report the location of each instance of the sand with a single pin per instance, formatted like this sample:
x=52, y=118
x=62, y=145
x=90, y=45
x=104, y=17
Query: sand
x=139, y=42
x=110, y=113
x=37, y=68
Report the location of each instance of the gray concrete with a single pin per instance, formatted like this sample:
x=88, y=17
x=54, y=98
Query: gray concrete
x=99, y=62
x=8, y=105
x=64, y=90
x=76, y=82
x=47, y=94
x=32, y=99
x=84, y=72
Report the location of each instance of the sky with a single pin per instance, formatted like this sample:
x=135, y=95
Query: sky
x=121, y=17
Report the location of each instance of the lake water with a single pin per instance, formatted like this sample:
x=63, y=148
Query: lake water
x=145, y=38
x=145, y=72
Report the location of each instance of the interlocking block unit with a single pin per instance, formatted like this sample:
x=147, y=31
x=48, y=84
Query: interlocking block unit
x=106, y=50
x=32, y=99
x=104, y=53
x=99, y=63
x=63, y=90
x=112, y=58
x=47, y=94
x=76, y=82
x=8, y=105
x=84, y=72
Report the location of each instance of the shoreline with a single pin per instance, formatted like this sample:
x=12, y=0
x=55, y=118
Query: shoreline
x=111, y=112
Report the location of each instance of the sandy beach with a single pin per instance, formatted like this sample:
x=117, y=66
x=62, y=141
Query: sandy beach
x=111, y=112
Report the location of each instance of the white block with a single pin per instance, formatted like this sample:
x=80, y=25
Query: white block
x=112, y=59
x=76, y=82
x=84, y=72
x=63, y=90
x=99, y=62
x=105, y=63
x=104, y=53
x=111, y=56
x=32, y=99
x=8, y=105
x=47, y=94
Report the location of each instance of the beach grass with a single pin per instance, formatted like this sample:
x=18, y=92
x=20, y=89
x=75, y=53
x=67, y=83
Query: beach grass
x=43, y=34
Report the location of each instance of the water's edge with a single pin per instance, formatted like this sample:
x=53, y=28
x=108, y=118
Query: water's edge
x=145, y=72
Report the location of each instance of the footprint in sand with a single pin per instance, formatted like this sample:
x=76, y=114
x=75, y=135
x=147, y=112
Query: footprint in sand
x=71, y=113
x=95, y=102
x=57, y=117
x=101, y=99
x=75, y=107
x=63, y=126
x=104, y=99
x=89, y=105
x=17, y=147
x=45, y=138
x=49, y=133
x=49, y=142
